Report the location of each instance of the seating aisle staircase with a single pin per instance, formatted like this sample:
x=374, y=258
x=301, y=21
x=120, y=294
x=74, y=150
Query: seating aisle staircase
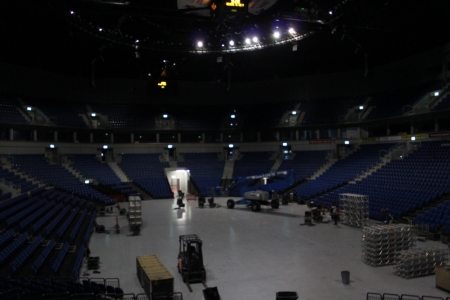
x=119, y=172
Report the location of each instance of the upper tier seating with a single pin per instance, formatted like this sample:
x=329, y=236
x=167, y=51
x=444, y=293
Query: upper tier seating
x=304, y=163
x=344, y=170
x=205, y=169
x=327, y=111
x=9, y=113
x=148, y=172
x=56, y=175
x=403, y=185
x=127, y=116
x=90, y=167
x=63, y=114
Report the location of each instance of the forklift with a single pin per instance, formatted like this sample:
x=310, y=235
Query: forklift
x=190, y=260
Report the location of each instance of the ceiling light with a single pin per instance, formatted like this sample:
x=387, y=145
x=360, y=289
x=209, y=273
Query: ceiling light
x=255, y=39
x=231, y=43
x=100, y=29
x=72, y=12
x=276, y=34
x=199, y=44
x=291, y=30
x=136, y=41
x=247, y=41
x=330, y=12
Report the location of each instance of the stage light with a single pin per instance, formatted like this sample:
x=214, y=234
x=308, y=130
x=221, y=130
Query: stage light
x=231, y=43
x=199, y=44
x=247, y=41
x=291, y=30
x=255, y=39
x=105, y=146
x=276, y=34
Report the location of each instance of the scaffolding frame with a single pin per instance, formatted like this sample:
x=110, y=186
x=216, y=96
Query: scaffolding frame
x=420, y=262
x=354, y=209
x=381, y=243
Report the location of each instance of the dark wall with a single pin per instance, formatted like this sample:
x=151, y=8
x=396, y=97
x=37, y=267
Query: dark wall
x=408, y=72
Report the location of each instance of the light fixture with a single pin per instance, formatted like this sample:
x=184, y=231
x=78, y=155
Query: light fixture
x=100, y=29
x=330, y=12
x=276, y=34
x=247, y=41
x=230, y=146
x=436, y=94
x=291, y=30
x=231, y=43
x=29, y=108
x=284, y=144
x=52, y=146
x=86, y=181
x=255, y=39
x=136, y=41
x=165, y=116
x=199, y=44
x=294, y=112
x=105, y=146
x=93, y=114
x=413, y=138
x=233, y=116
x=347, y=142
x=170, y=146
x=361, y=107
x=72, y=12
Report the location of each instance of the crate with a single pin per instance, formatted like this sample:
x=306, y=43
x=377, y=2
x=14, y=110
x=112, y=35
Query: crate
x=443, y=278
x=153, y=275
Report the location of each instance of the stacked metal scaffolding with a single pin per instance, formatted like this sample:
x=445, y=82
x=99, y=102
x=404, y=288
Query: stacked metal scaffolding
x=354, y=209
x=381, y=243
x=420, y=262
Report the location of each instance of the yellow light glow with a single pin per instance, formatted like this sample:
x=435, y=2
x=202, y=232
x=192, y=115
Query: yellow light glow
x=162, y=84
x=213, y=6
x=235, y=3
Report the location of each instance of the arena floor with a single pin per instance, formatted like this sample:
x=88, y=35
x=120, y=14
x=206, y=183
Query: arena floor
x=251, y=255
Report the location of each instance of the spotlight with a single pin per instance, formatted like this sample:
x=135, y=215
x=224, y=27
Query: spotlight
x=255, y=39
x=100, y=29
x=276, y=34
x=105, y=146
x=136, y=41
x=199, y=44
x=330, y=12
x=247, y=41
x=170, y=146
x=52, y=146
x=347, y=142
x=291, y=30
x=231, y=43
x=72, y=12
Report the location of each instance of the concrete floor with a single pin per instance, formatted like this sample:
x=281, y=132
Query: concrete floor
x=251, y=255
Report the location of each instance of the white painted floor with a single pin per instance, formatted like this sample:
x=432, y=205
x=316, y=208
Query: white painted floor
x=251, y=255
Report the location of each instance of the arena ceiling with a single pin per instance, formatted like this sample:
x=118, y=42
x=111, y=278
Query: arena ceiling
x=154, y=38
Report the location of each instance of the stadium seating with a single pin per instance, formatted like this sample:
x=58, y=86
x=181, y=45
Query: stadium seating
x=205, y=170
x=148, y=172
x=9, y=111
x=91, y=168
x=304, y=163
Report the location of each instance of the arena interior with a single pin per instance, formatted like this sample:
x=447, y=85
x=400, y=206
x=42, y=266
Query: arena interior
x=225, y=149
